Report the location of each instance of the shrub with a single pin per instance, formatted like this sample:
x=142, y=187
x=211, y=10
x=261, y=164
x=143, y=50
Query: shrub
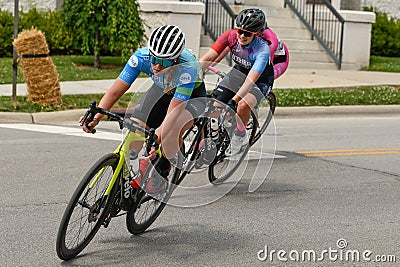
x=58, y=37
x=6, y=33
x=123, y=31
x=385, y=36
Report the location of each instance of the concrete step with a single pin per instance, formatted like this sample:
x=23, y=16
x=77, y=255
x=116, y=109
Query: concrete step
x=285, y=22
x=206, y=41
x=304, y=52
x=303, y=45
x=257, y=3
x=283, y=34
x=276, y=11
x=311, y=56
x=312, y=65
x=276, y=17
x=300, y=59
x=291, y=33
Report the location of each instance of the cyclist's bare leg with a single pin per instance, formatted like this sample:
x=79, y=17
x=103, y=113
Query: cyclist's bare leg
x=136, y=144
x=244, y=108
x=170, y=140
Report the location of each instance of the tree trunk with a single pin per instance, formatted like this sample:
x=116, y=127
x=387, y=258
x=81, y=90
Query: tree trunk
x=97, y=62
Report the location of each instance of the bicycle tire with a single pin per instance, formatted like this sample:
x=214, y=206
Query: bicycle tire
x=84, y=216
x=189, y=155
x=146, y=209
x=217, y=172
x=272, y=105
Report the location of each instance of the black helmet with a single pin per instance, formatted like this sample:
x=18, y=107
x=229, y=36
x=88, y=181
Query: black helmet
x=251, y=19
x=166, y=42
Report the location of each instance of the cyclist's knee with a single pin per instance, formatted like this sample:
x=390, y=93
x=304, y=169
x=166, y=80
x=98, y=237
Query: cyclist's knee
x=243, y=107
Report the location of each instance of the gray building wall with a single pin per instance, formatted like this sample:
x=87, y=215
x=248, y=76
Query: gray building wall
x=390, y=7
x=28, y=4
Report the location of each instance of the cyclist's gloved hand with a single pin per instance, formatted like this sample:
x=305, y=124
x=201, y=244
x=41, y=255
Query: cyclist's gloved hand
x=232, y=104
x=152, y=154
x=87, y=126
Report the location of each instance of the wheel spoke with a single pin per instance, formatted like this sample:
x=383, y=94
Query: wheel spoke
x=86, y=210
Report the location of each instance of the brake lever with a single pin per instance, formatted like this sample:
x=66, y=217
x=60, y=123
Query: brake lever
x=89, y=116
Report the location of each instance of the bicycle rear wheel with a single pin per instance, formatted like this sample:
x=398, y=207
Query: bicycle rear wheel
x=263, y=121
x=223, y=166
x=87, y=209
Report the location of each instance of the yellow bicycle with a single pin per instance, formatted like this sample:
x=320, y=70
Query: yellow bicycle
x=105, y=192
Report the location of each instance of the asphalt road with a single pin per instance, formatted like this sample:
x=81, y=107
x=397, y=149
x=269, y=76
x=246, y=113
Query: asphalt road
x=332, y=190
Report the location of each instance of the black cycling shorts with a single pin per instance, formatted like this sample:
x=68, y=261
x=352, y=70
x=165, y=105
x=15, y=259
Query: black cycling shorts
x=232, y=82
x=153, y=106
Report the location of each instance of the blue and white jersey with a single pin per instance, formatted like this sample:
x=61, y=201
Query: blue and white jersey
x=183, y=77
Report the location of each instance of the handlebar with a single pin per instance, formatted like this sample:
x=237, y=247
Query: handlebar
x=216, y=71
x=123, y=122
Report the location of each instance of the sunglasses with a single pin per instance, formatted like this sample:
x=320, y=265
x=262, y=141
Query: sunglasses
x=245, y=33
x=162, y=62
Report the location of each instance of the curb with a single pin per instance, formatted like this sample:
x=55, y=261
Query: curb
x=336, y=110
x=15, y=117
x=59, y=117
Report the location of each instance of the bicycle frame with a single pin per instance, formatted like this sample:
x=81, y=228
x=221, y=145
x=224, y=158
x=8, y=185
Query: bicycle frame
x=124, y=147
x=204, y=132
x=122, y=150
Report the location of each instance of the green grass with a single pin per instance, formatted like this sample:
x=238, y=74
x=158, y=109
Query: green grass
x=366, y=95
x=77, y=68
x=71, y=68
x=68, y=102
x=385, y=64
x=74, y=68
x=378, y=95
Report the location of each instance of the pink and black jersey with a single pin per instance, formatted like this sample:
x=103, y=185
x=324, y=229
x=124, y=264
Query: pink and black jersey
x=255, y=56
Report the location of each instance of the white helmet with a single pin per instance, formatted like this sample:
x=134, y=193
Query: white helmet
x=166, y=42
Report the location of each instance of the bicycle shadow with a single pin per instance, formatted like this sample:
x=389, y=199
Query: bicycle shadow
x=183, y=244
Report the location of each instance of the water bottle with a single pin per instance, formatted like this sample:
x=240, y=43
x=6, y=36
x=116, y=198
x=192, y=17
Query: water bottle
x=214, y=129
x=134, y=163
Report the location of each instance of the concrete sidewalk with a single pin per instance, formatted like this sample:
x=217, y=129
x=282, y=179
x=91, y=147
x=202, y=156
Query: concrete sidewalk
x=293, y=78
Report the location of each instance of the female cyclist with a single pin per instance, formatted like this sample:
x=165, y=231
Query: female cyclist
x=170, y=104
x=251, y=55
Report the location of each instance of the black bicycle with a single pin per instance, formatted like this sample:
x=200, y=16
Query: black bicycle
x=203, y=148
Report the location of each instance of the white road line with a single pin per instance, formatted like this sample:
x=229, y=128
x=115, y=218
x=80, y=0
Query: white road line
x=63, y=130
x=251, y=155
x=70, y=131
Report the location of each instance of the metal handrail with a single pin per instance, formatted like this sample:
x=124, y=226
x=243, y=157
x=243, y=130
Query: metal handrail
x=217, y=18
x=324, y=23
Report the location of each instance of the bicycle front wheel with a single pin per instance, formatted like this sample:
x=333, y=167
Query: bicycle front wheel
x=263, y=120
x=87, y=209
x=223, y=166
x=147, y=208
